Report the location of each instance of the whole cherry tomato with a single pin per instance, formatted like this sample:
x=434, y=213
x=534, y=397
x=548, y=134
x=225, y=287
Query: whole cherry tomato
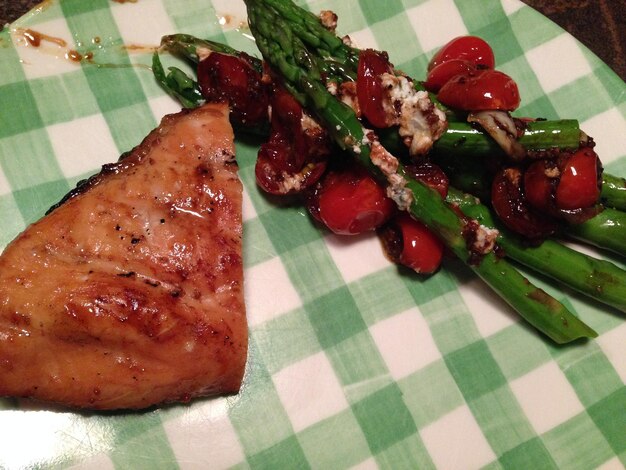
x=439, y=75
x=372, y=64
x=409, y=242
x=579, y=185
x=349, y=201
x=229, y=78
x=470, y=48
x=484, y=89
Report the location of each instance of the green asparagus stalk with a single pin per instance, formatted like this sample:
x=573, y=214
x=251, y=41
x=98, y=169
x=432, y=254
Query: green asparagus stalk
x=614, y=192
x=190, y=48
x=177, y=83
x=308, y=28
x=539, y=135
x=289, y=56
x=607, y=230
x=596, y=278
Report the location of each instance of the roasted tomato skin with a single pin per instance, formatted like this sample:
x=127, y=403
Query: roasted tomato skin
x=287, y=128
x=294, y=158
x=580, y=182
x=512, y=208
x=439, y=75
x=469, y=48
x=372, y=64
x=481, y=90
x=410, y=243
x=567, y=187
x=273, y=170
x=231, y=79
x=349, y=201
x=431, y=175
x=539, y=186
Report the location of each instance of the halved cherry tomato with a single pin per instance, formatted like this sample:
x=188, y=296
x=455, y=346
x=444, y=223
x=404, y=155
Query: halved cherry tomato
x=349, y=201
x=287, y=128
x=484, y=89
x=513, y=210
x=470, y=48
x=372, y=64
x=409, y=242
x=229, y=78
x=569, y=183
x=439, y=75
x=294, y=158
x=539, y=186
x=275, y=174
x=579, y=186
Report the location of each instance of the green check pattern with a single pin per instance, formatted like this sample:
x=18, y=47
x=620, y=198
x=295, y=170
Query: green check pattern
x=352, y=363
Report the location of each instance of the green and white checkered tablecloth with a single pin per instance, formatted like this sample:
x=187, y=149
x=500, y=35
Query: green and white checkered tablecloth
x=351, y=363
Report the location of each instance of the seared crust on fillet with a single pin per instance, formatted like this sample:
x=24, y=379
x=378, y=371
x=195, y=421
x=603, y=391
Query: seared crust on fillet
x=130, y=292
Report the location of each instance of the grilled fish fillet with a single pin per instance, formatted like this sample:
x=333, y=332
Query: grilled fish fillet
x=129, y=293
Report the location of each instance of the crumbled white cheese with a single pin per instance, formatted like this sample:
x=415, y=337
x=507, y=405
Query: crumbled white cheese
x=552, y=172
x=328, y=18
x=203, y=52
x=398, y=192
x=307, y=123
x=485, y=239
x=388, y=165
x=420, y=122
x=332, y=88
x=366, y=140
x=348, y=41
x=386, y=162
x=292, y=182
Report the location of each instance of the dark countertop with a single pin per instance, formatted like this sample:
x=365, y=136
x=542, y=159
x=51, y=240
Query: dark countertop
x=599, y=24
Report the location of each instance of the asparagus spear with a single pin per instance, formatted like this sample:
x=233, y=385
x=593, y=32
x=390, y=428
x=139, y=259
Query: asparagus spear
x=190, y=48
x=598, y=279
x=177, y=83
x=614, y=192
x=607, y=230
x=289, y=56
